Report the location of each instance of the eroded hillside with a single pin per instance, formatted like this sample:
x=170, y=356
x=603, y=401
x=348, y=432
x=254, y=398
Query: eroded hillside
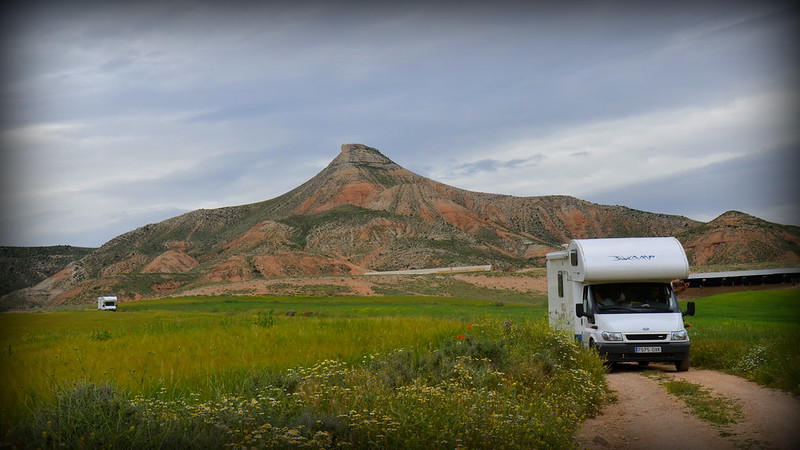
x=364, y=212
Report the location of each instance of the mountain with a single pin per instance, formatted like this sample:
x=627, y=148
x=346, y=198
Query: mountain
x=738, y=238
x=363, y=212
x=21, y=267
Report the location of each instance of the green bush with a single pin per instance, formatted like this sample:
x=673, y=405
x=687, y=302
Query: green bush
x=265, y=320
x=102, y=334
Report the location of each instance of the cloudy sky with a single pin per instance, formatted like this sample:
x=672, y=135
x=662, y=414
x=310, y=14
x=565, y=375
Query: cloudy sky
x=118, y=115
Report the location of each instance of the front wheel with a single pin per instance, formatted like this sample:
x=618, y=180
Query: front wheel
x=682, y=365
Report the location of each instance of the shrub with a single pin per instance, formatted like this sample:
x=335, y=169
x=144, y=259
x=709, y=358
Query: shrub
x=102, y=334
x=84, y=413
x=265, y=320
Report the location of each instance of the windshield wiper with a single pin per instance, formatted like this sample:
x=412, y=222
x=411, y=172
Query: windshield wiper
x=649, y=309
x=603, y=309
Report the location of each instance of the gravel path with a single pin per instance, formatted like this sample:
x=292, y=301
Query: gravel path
x=647, y=417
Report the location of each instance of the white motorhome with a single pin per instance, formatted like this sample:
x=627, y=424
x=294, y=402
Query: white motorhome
x=108, y=303
x=616, y=296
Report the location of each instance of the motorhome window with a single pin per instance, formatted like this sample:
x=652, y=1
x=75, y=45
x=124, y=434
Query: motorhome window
x=560, y=284
x=573, y=257
x=633, y=297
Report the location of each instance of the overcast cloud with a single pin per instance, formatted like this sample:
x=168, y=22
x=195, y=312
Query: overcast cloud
x=115, y=116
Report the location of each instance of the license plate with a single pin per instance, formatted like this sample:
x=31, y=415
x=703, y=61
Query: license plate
x=647, y=349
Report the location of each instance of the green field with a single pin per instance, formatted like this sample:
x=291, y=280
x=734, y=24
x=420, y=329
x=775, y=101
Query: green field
x=455, y=308
x=751, y=334
x=389, y=372
x=148, y=345
x=386, y=372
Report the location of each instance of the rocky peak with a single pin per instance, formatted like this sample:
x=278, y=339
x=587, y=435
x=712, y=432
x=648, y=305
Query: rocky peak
x=361, y=155
x=735, y=218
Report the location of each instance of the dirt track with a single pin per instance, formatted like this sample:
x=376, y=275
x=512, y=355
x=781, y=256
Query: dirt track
x=647, y=417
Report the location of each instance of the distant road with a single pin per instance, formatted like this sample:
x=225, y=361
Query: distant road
x=462, y=269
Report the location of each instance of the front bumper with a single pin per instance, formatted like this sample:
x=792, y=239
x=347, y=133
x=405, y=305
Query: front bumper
x=670, y=351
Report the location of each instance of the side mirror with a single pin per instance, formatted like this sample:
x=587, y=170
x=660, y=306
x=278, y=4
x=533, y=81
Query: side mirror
x=689, y=309
x=580, y=312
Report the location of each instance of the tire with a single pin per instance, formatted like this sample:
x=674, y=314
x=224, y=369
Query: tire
x=682, y=365
x=644, y=363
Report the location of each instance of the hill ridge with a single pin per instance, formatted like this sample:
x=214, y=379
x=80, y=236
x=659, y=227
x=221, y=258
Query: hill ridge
x=363, y=212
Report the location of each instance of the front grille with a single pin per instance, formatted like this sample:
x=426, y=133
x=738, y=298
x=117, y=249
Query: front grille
x=646, y=337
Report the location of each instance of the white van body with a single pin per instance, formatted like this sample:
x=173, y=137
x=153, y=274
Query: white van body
x=615, y=295
x=108, y=303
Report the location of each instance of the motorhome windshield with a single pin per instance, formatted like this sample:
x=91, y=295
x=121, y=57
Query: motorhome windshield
x=633, y=297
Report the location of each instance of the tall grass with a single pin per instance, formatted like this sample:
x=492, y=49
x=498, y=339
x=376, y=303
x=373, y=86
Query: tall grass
x=344, y=372
x=486, y=385
x=463, y=308
x=200, y=354
x=750, y=334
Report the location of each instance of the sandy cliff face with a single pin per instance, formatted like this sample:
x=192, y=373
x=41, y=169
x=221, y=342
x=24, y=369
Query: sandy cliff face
x=736, y=238
x=365, y=212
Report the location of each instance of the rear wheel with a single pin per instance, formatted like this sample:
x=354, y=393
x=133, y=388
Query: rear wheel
x=682, y=365
x=644, y=363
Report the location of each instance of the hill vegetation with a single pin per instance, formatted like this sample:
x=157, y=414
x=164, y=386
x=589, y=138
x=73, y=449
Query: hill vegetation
x=21, y=267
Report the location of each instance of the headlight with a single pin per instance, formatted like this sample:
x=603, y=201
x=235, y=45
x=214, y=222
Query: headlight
x=611, y=335
x=680, y=335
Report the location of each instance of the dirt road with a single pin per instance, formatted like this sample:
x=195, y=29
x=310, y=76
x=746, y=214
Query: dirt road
x=647, y=417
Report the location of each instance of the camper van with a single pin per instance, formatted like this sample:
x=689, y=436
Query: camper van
x=616, y=296
x=108, y=303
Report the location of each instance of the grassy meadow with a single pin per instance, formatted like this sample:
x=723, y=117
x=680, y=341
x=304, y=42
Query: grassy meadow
x=325, y=372
x=389, y=372
x=751, y=334
x=151, y=344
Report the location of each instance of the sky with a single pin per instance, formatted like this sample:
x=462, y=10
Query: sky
x=114, y=115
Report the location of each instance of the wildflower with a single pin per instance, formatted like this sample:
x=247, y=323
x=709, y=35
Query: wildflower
x=460, y=337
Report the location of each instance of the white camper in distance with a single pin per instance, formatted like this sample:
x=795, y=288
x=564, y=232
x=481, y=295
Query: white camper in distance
x=615, y=295
x=108, y=303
